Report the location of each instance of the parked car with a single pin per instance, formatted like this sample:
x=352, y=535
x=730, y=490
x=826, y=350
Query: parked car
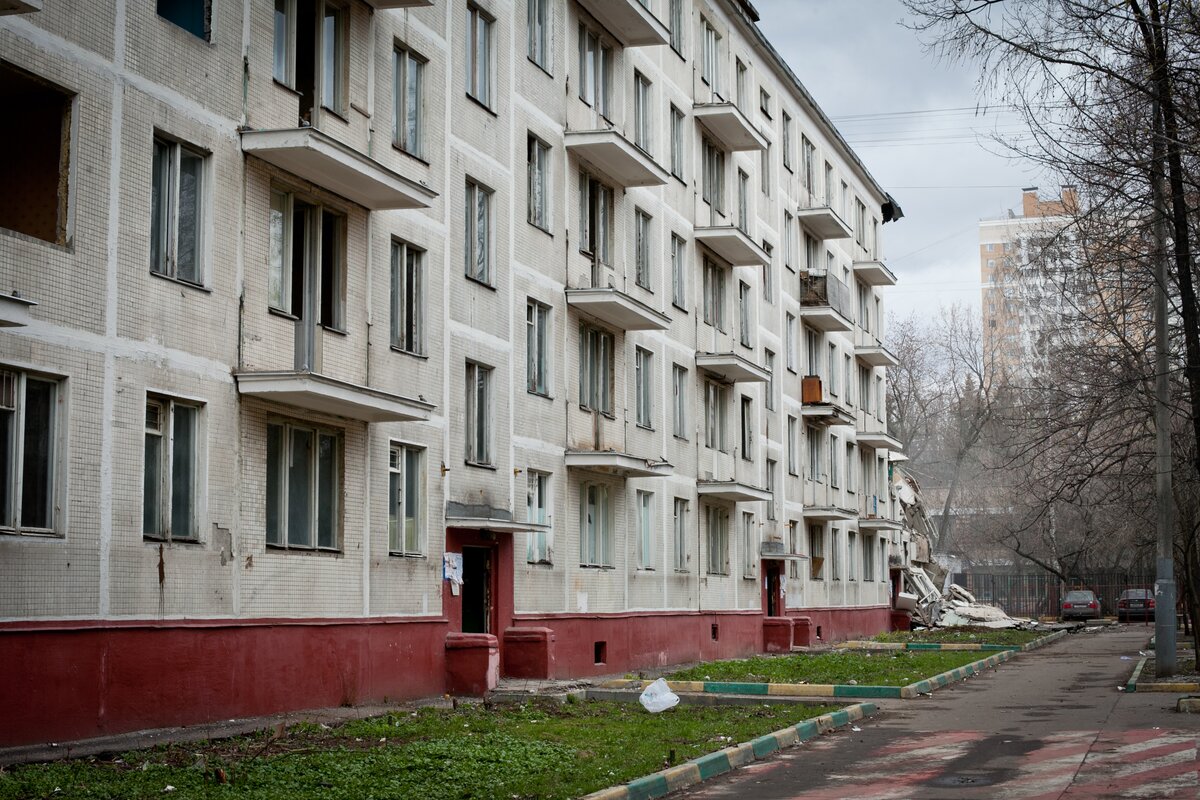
x=1081, y=604
x=1135, y=604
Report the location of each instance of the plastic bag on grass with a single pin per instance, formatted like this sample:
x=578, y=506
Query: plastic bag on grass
x=658, y=697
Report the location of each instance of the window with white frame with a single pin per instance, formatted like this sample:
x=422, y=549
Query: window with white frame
x=334, y=30
x=834, y=364
x=304, y=486
x=851, y=463
x=479, y=414
x=749, y=545
x=793, y=539
x=713, y=184
x=177, y=209
x=643, y=110
x=772, y=483
x=675, y=22
x=710, y=57
x=835, y=462
x=679, y=265
x=789, y=341
x=808, y=155
x=739, y=86
x=407, y=298
x=851, y=556
x=645, y=530
x=860, y=222
x=844, y=200
x=595, y=369
x=743, y=209
x=714, y=293
x=320, y=233
x=717, y=526
x=768, y=273
x=408, y=97
x=815, y=463
x=830, y=190
x=764, y=170
x=847, y=377
x=310, y=54
x=835, y=554
x=595, y=526
x=816, y=552
x=679, y=381
x=812, y=349
x=883, y=559
x=595, y=218
x=865, y=401
x=641, y=248
x=643, y=366
x=680, y=522
x=793, y=446
x=479, y=54
x=787, y=141
x=747, y=421
x=537, y=347
x=868, y=557
x=29, y=433
x=406, y=500
x=716, y=402
x=539, y=182
x=478, y=232
x=812, y=254
x=789, y=240
x=537, y=511
x=171, y=470
x=595, y=70
x=745, y=323
x=678, y=156
x=538, y=42
x=769, y=364
x=764, y=101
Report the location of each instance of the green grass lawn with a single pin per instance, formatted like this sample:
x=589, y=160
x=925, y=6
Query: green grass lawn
x=964, y=635
x=505, y=752
x=887, y=668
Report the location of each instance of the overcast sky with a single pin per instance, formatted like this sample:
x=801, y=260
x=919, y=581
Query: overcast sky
x=912, y=121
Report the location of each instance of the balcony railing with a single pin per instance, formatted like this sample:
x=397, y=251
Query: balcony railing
x=822, y=289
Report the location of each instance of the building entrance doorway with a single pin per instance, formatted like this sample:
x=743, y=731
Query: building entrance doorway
x=773, y=577
x=477, y=590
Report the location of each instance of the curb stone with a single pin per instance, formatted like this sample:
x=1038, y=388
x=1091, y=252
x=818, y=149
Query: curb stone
x=711, y=765
x=1132, y=684
x=964, y=646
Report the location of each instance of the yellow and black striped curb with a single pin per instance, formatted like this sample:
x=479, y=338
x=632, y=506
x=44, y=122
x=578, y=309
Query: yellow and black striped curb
x=965, y=646
x=824, y=689
x=722, y=761
x=1132, y=685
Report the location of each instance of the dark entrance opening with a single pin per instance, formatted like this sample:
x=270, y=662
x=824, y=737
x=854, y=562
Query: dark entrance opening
x=477, y=590
x=774, y=595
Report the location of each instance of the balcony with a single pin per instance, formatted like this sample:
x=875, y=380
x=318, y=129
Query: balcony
x=14, y=311
x=732, y=491
x=878, y=440
x=621, y=464
x=816, y=409
x=630, y=22
x=732, y=245
x=314, y=392
x=326, y=162
x=729, y=125
x=824, y=223
x=731, y=368
x=874, y=273
x=875, y=355
x=878, y=525
x=617, y=309
x=828, y=513
x=617, y=157
x=825, y=303
x=19, y=6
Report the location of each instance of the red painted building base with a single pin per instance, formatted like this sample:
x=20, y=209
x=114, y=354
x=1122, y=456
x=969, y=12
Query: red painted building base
x=472, y=663
x=841, y=624
x=901, y=621
x=777, y=634
x=529, y=653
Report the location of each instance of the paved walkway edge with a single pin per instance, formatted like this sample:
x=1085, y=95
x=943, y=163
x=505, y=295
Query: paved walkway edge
x=861, y=644
x=1163, y=686
x=708, y=766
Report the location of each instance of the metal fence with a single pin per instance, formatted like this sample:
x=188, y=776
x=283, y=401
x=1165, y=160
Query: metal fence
x=1040, y=594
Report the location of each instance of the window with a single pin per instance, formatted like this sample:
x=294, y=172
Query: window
x=307, y=238
x=595, y=370
x=408, y=95
x=835, y=554
x=830, y=196
x=478, y=233
x=772, y=483
x=176, y=203
x=787, y=141
x=743, y=210
x=814, y=452
x=642, y=105
x=768, y=273
x=851, y=461
x=170, y=484
x=834, y=379
x=679, y=393
x=868, y=557
x=812, y=348
x=865, y=400
x=595, y=526
x=764, y=101
x=851, y=556
x=812, y=254
x=595, y=70
x=194, y=16
x=789, y=340
x=740, y=85
x=333, y=58
x=844, y=212
x=643, y=365
x=835, y=462
x=310, y=55
x=816, y=552
x=406, y=500
x=304, y=486
x=883, y=559
x=716, y=398
x=808, y=154
x=769, y=363
x=539, y=180
x=789, y=240
x=717, y=523
x=744, y=321
x=847, y=372
x=764, y=174
x=479, y=414
x=675, y=22
x=677, y=140
x=860, y=222
x=641, y=248
x=714, y=294
x=479, y=55
x=538, y=46
x=793, y=538
x=284, y=23
x=537, y=348
x=408, y=316
x=710, y=61
x=537, y=511
x=678, y=271
x=595, y=218
x=747, y=407
x=681, y=534
x=645, y=528
x=793, y=446
x=714, y=176
x=749, y=545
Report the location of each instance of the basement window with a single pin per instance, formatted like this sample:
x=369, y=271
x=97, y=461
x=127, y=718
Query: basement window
x=35, y=156
x=194, y=16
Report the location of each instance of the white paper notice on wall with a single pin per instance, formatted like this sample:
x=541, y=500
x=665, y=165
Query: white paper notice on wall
x=581, y=602
x=452, y=568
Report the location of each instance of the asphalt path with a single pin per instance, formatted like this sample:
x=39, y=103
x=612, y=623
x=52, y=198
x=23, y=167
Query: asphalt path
x=1051, y=723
